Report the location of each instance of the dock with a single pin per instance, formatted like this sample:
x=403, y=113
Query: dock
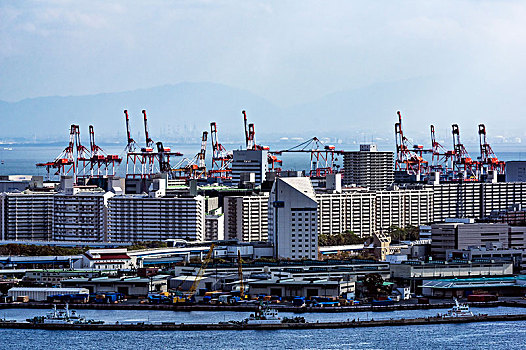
x=239, y=326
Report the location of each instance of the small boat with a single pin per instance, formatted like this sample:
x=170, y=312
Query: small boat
x=56, y=316
x=264, y=315
x=459, y=310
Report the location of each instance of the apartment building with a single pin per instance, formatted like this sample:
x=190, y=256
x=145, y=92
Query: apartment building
x=368, y=168
x=141, y=218
x=349, y=210
x=26, y=216
x=246, y=218
x=403, y=208
x=80, y=217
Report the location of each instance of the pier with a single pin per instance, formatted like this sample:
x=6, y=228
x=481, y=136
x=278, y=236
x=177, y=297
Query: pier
x=233, y=326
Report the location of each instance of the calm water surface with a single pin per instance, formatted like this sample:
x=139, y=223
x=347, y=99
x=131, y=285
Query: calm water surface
x=490, y=335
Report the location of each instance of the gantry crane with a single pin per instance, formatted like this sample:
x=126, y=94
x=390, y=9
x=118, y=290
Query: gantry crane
x=488, y=160
x=463, y=163
x=408, y=159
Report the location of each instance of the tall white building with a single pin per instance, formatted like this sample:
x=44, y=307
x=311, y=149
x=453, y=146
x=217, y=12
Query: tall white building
x=80, y=217
x=246, y=218
x=141, y=218
x=26, y=216
x=293, y=218
x=249, y=161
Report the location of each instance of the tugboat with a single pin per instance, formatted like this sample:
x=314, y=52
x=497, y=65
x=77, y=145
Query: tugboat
x=62, y=317
x=459, y=310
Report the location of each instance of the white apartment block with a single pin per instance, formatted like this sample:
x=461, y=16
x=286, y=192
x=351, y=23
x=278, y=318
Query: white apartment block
x=26, y=216
x=352, y=210
x=80, y=217
x=246, y=218
x=475, y=200
x=403, y=208
x=141, y=218
x=214, y=227
x=293, y=218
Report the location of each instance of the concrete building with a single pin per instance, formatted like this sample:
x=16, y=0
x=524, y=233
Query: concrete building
x=403, y=208
x=368, y=168
x=214, y=227
x=293, y=218
x=80, y=217
x=249, y=161
x=516, y=171
x=291, y=287
x=418, y=270
x=108, y=259
x=129, y=286
x=451, y=236
x=246, y=218
x=350, y=210
x=142, y=218
x=475, y=199
x=26, y=216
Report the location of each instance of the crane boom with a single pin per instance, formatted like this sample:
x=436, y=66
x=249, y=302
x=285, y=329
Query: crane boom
x=149, y=141
x=208, y=258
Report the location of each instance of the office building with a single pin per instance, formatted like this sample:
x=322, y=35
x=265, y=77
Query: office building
x=245, y=162
x=293, y=218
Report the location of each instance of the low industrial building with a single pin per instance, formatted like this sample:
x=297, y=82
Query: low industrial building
x=54, y=277
x=448, y=288
x=130, y=286
x=41, y=294
x=420, y=270
x=291, y=287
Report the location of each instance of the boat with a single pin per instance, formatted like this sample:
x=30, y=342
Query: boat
x=459, y=310
x=65, y=316
x=264, y=315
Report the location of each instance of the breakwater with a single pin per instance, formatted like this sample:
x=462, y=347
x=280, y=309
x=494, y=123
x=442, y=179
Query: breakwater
x=252, y=307
x=226, y=326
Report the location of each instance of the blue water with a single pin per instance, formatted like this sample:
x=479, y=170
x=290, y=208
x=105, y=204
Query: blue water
x=490, y=335
x=22, y=159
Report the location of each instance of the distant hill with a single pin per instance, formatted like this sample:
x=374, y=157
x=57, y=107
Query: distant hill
x=184, y=110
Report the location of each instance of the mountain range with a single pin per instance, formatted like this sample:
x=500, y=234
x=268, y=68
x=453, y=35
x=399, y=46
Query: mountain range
x=182, y=111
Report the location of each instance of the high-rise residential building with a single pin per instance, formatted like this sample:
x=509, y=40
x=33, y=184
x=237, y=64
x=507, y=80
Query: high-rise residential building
x=249, y=161
x=475, y=199
x=26, y=216
x=403, y=208
x=80, y=217
x=246, y=218
x=347, y=211
x=141, y=218
x=214, y=227
x=368, y=168
x=293, y=218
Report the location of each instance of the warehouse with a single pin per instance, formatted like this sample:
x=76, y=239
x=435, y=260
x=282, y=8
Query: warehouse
x=41, y=294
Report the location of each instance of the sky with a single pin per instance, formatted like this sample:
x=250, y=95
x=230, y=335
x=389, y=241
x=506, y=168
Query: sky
x=289, y=52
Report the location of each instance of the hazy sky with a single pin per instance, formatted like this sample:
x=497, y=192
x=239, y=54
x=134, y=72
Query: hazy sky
x=286, y=51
